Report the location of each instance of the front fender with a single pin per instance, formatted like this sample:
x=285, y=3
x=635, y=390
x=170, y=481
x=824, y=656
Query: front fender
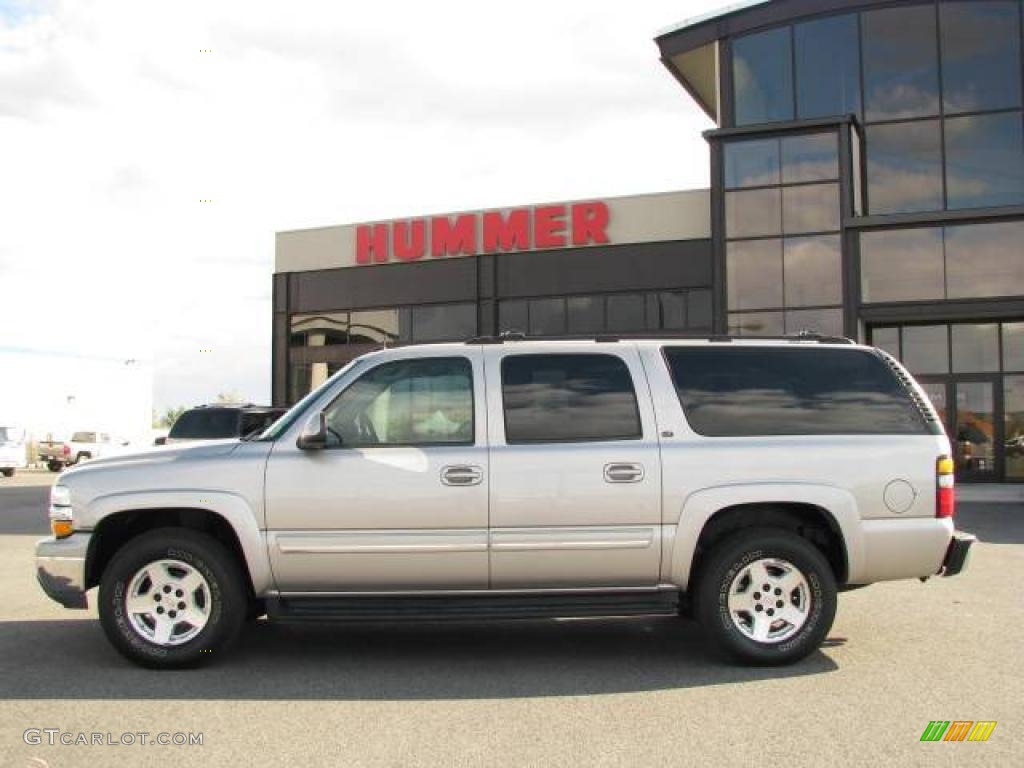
x=699, y=507
x=231, y=507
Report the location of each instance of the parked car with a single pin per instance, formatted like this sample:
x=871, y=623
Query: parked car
x=58, y=454
x=221, y=421
x=741, y=482
x=12, y=450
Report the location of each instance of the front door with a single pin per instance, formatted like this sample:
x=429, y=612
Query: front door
x=398, y=498
x=575, y=469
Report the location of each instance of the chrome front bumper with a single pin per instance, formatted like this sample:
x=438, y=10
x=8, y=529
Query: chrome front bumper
x=60, y=568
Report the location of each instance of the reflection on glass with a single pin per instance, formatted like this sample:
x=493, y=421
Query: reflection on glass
x=984, y=260
x=753, y=213
x=547, y=317
x=975, y=347
x=752, y=163
x=763, y=77
x=887, y=339
x=698, y=309
x=1013, y=407
x=810, y=208
x=827, y=67
x=902, y=265
x=1013, y=346
x=980, y=55
x=926, y=348
x=300, y=377
x=326, y=329
x=984, y=160
x=828, y=322
x=901, y=73
x=670, y=312
x=754, y=274
x=512, y=316
x=811, y=157
x=755, y=324
x=975, y=427
x=904, y=167
x=936, y=392
x=812, y=271
x=444, y=322
x=585, y=314
x=625, y=312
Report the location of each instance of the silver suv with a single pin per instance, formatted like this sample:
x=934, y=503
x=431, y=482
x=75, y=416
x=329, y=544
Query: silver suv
x=740, y=482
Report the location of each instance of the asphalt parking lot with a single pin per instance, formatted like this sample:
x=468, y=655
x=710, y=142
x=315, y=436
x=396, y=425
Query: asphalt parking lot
x=639, y=692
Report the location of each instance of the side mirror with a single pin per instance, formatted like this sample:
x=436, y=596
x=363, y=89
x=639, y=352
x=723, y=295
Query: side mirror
x=160, y=441
x=314, y=434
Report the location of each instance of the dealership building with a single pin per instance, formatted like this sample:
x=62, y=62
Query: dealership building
x=867, y=180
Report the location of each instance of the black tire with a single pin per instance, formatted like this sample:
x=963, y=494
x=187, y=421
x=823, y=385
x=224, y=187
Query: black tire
x=55, y=466
x=228, y=599
x=7, y=472
x=727, y=561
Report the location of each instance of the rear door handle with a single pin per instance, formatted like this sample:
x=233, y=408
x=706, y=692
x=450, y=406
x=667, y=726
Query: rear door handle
x=623, y=472
x=462, y=474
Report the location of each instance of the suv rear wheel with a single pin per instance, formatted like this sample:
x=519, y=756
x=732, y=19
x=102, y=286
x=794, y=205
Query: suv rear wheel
x=766, y=596
x=172, y=598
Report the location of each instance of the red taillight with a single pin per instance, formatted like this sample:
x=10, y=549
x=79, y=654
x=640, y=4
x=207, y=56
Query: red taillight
x=67, y=449
x=945, y=492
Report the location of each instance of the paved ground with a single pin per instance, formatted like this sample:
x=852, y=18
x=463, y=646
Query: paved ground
x=541, y=693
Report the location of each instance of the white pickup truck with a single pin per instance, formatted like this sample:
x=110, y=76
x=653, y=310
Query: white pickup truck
x=12, y=450
x=58, y=454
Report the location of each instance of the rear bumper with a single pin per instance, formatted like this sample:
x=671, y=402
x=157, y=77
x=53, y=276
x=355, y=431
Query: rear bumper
x=60, y=569
x=958, y=553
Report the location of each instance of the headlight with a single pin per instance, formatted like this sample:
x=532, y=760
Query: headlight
x=60, y=512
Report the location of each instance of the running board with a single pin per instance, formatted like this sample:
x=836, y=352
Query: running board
x=472, y=607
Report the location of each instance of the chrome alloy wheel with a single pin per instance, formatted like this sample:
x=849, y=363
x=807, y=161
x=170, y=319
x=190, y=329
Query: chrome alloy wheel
x=168, y=602
x=769, y=600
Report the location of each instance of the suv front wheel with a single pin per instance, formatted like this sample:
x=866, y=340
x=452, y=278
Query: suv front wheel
x=172, y=598
x=766, y=596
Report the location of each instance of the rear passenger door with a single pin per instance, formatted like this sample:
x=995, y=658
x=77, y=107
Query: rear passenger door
x=575, y=493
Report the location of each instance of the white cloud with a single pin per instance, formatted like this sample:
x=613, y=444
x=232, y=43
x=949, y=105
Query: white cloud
x=114, y=125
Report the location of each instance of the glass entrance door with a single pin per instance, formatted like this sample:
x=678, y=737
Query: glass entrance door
x=975, y=433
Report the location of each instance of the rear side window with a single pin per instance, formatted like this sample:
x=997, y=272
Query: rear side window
x=740, y=391
x=206, y=424
x=568, y=398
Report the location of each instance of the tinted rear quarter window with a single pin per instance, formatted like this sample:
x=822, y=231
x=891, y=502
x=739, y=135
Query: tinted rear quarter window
x=206, y=424
x=568, y=398
x=731, y=392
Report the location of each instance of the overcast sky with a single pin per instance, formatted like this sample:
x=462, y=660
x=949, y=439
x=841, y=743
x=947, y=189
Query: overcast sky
x=115, y=123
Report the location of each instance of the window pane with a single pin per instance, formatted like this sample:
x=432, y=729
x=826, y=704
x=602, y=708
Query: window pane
x=626, y=313
x=901, y=74
x=446, y=322
x=408, y=402
x=828, y=322
x=512, y=316
x=813, y=208
x=904, y=167
x=755, y=324
x=698, y=309
x=984, y=160
x=763, y=77
x=752, y=163
x=547, y=317
x=980, y=55
x=779, y=391
x=975, y=348
x=814, y=157
x=566, y=398
x=1013, y=405
x=925, y=348
x=754, y=274
x=827, y=67
x=887, y=339
x=586, y=314
x=753, y=213
x=374, y=326
x=1013, y=346
x=812, y=271
x=902, y=265
x=300, y=381
x=984, y=260
x=671, y=312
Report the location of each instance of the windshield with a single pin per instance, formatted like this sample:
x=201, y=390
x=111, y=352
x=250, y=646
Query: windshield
x=205, y=424
x=281, y=426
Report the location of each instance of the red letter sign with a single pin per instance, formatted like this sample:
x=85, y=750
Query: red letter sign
x=447, y=239
x=511, y=234
x=549, y=226
x=405, y=250
x=589, y=221
x=371, y=243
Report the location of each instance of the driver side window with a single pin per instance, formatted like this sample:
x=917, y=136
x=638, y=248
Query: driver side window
x=423, y=401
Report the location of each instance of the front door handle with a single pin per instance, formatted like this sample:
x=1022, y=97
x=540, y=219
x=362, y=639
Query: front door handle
x=462, y=474
x=623, y=472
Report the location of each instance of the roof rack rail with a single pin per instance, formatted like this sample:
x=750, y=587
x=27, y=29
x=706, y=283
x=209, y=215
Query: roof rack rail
x=506, y=336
